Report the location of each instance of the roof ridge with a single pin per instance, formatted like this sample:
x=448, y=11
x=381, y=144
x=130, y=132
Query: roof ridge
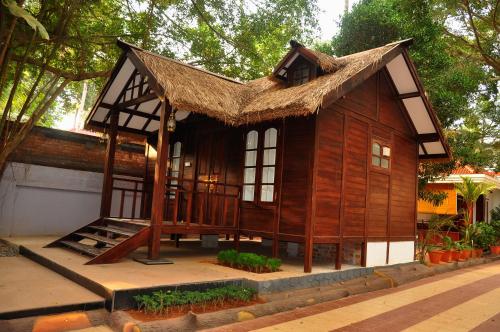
x=179, y=62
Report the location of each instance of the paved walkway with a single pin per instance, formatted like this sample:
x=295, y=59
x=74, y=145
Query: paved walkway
x=465, y=300
x=26, y=285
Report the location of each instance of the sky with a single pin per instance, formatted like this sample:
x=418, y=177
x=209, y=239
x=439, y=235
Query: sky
x=330, y=12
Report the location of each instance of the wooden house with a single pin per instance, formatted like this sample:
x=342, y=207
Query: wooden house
x=323, y=151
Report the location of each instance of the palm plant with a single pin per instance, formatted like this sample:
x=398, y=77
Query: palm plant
x=471, y=191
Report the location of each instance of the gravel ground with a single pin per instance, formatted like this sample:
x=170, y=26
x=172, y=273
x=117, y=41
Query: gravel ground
x=7, y=250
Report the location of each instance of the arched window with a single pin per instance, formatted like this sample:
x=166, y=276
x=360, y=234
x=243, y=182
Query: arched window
x=250, y=168
x=260, y=165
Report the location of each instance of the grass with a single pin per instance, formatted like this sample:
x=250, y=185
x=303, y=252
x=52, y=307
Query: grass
x=161, y=302
x=252, y=262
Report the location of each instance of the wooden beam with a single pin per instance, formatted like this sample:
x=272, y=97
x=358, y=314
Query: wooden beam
x=435, y=156
x=158, y=202
x=109, y=161
x=135, y=101
x=311, y=198
x=409, y=95
x=131, y=111
x=428, y=138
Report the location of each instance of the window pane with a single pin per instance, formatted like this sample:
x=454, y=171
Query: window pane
x=248, y=192
x=376, y=149
x=270, y=137
x=250, y=158
x=386, y=151
x=267, y=174
x=252, y=139
x=249, y=176
x=175, y=164
x=267, y=193
x=177, y=149
x=174, y=175
x=375, y=161
x=385, y=163
x=270, y=157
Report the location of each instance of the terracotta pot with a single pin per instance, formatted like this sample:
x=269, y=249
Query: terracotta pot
x=466, y=254
x=446, y=257
x=495, y=250
x=435, y=256
x=455, y=255
x=477, y=253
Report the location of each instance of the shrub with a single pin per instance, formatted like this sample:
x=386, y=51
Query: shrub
x=250, y=261
x=485, y=235
x=162, y=301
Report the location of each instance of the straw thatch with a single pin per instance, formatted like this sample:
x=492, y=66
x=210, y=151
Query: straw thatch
x=198, y=91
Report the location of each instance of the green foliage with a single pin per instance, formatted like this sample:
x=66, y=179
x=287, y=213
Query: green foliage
x=161, y=302
x=250, y=261
x=17, y=11
x=436, y=226
x=461, y=86
x=448, y=243
x=485, y=235
x=470, y=192
x=495, y=213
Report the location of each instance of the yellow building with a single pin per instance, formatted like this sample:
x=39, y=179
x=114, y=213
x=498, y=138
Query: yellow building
x=452, y=205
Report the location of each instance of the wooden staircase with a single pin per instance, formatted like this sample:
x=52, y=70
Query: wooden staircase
x=106, y=240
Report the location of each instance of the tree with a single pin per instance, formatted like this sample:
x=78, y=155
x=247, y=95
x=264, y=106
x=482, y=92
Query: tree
x=463, y=92
x=470, y=192
x=40, y=78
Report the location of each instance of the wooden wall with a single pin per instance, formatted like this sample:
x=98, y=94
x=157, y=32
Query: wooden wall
x=353, y=199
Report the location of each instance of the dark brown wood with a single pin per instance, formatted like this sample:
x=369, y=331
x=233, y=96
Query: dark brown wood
x=158, y=201
x=107, y=184
x=311, y=200
x=409, y=95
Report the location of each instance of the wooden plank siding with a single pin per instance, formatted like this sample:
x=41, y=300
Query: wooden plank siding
x=354, y=200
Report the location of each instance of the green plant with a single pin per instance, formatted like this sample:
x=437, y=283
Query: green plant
x=250, y=261
x=436, y=225
x=484, y=236
x=495, y=213
x=160, y=302
x=496, y=226
x=447, y=243
x=470, y=192
x=273, y=264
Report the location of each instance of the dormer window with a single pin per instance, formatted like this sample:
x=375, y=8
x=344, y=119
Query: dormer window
x=300, y=74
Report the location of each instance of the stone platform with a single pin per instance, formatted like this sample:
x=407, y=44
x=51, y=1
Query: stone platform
x=194, y=268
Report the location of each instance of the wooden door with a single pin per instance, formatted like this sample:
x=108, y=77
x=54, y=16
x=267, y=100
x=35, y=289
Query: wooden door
x=211, y=176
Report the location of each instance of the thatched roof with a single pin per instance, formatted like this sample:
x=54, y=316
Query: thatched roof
x=191, y=89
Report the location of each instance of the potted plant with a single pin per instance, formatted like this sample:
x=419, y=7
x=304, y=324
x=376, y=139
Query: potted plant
x=466, y=251
x=447, y=249
x=495, y=244
x=427, y=243
x=457, y=251
x=435, y=254
x=484, y=237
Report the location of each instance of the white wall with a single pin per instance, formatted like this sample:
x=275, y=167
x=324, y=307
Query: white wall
x=40, y=200
x=376, y=253
x=493, y=201
x=401, y=252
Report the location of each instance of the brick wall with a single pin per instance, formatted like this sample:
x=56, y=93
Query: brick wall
x=64, y=149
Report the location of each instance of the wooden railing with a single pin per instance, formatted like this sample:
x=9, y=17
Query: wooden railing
x=202, y=202
x=127, y=187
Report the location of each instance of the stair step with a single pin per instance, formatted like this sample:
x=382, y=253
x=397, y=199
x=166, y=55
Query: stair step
x=83, y=248
x=98, y=238
x=129, y=222
x=114, y=230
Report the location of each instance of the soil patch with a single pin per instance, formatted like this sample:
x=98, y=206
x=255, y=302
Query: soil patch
x=197, y=309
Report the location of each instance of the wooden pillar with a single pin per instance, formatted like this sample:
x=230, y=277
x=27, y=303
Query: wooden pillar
x=109, y=161
x=339, y=256
x=158, y=200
